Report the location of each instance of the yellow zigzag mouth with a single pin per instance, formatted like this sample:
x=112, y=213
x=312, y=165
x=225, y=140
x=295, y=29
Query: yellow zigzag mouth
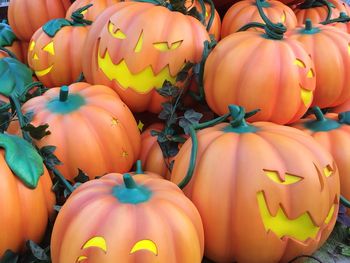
x=300, y=228
x=141, y=82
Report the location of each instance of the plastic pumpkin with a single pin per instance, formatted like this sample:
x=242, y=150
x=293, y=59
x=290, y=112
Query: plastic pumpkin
x=26, y=16
x=260, y=199
x=91, y=127
x=144, y=220
x=136, y=46
x=26, y=198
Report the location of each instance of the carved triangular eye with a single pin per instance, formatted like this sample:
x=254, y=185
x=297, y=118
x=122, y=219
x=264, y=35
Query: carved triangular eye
x=49, y=48
x=115, y=32
x=288, y=178
x=328, y=171
x=31, y=45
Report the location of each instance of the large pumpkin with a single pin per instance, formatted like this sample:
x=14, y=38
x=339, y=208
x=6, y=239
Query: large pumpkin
x=334, y=135
x=246, y=11
x=265, y=192
x=257, y=71
x=134, y=47
x=56, y=50
x=26, y=199
x=26, y=16
x=327, y=45
x=98, y=6
x=127, y=219
x=91, y=127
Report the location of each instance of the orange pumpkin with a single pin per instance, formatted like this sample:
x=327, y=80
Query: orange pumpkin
x=26, y=198
x=26, y=16
x=91, y=127
x=134, y=54
x=326, y=45
x=98, y=6
x=56, y=50
x=258, y=71
x=342, y=108
x=334, y=135
x=318, y=13
x=144, y=220
x=246, y=11
x=265, y=192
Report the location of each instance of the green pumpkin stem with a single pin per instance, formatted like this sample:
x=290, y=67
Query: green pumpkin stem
x=129, y=181
x=308, y=24
x=318, y=114
x=321, y=123
x=78, y=18
x=64, y=92
x=343, y=18
x=139, y=167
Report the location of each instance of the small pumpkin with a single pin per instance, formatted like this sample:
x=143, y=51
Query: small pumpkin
x=332, y=131
x=134, y=47
x=26, y=16
x=87, y=122
x=246, y=11
x=326, y=45
x=144, y=220
x=26, y=198
x=260, y=199
x=56, y=50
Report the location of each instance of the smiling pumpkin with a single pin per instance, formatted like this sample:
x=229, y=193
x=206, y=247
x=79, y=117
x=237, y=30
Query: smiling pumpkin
x=134, y=54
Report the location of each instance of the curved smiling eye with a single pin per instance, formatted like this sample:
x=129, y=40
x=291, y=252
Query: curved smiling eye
x=49, y=48
x=164, y=46
x=116, y=33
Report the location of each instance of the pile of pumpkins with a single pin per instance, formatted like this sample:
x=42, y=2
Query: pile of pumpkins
x=260, y=181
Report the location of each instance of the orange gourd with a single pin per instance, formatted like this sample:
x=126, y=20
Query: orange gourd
x=135, y=219
x=265, y=192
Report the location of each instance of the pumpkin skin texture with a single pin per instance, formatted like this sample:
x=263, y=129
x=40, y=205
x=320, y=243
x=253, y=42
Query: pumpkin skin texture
x=26, y=208
x=246, y=11
x=94, y=11
x=33, y=14
x=326, y=45
x=93, y=130
x=134, y=54
x=342, y=108
x=319, y=14
x=167, y=222
x=242, y=70
x=334, y=136
x=56, y=60
x=263, y=178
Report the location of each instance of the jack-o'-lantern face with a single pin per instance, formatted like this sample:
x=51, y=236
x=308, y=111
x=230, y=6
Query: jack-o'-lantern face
x=307, y=77
x=99, y=243
x=41, y=56
x=136, y=54
x=290, y=218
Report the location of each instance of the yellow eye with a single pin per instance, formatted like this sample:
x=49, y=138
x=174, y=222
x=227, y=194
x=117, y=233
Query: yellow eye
x=299, y=63
x=32, y=45
x=164, y=46
x=115, y=33
x=49, y=48
x=328, y=171
x=288, y=178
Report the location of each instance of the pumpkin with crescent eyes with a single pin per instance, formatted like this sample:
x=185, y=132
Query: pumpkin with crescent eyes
x=134, y=47
x=265, y=192
x=124, y=218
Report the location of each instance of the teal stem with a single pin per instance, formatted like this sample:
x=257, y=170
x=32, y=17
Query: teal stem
x=139, y=167
x=63, y=180
x=318, y=114
x=344, y=117
x=238, y=123
x=64, y=91
x=130, y=192
x=212, y=13
x=17, y=108
x=321, y=123
x=308, y=24
x=10, y=53
x=78, y=18
x=345, y=202
x=343, y=18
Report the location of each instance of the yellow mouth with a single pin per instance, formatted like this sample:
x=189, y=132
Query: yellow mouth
x=145, y=244
x=306, y=96
x=43, y=72
x=300, y=228
x=141, y=82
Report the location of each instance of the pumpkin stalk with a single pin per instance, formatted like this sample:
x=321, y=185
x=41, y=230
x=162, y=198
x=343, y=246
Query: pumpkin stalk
x=343, y=18
x=344, y=117
x=129, y=181
x=321, y=123
x=139, y=167
x=318, y=113
x=78, y=18
x=64, y=91
x=308, y=24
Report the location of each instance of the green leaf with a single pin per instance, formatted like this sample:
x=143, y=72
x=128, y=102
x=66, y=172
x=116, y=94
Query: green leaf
x=53, y=26
x=168, y=90
x=14, y=77
x=37, y=132
x=50, y=160
x=81, y=177
x=190, y=118
x=23, y=159
x=9, y=257
x=38, y=252
x=184, y=73
x=7, y=37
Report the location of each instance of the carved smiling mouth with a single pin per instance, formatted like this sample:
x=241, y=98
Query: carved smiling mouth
x=300, y=228
x=141, y=82
x=43, y=72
